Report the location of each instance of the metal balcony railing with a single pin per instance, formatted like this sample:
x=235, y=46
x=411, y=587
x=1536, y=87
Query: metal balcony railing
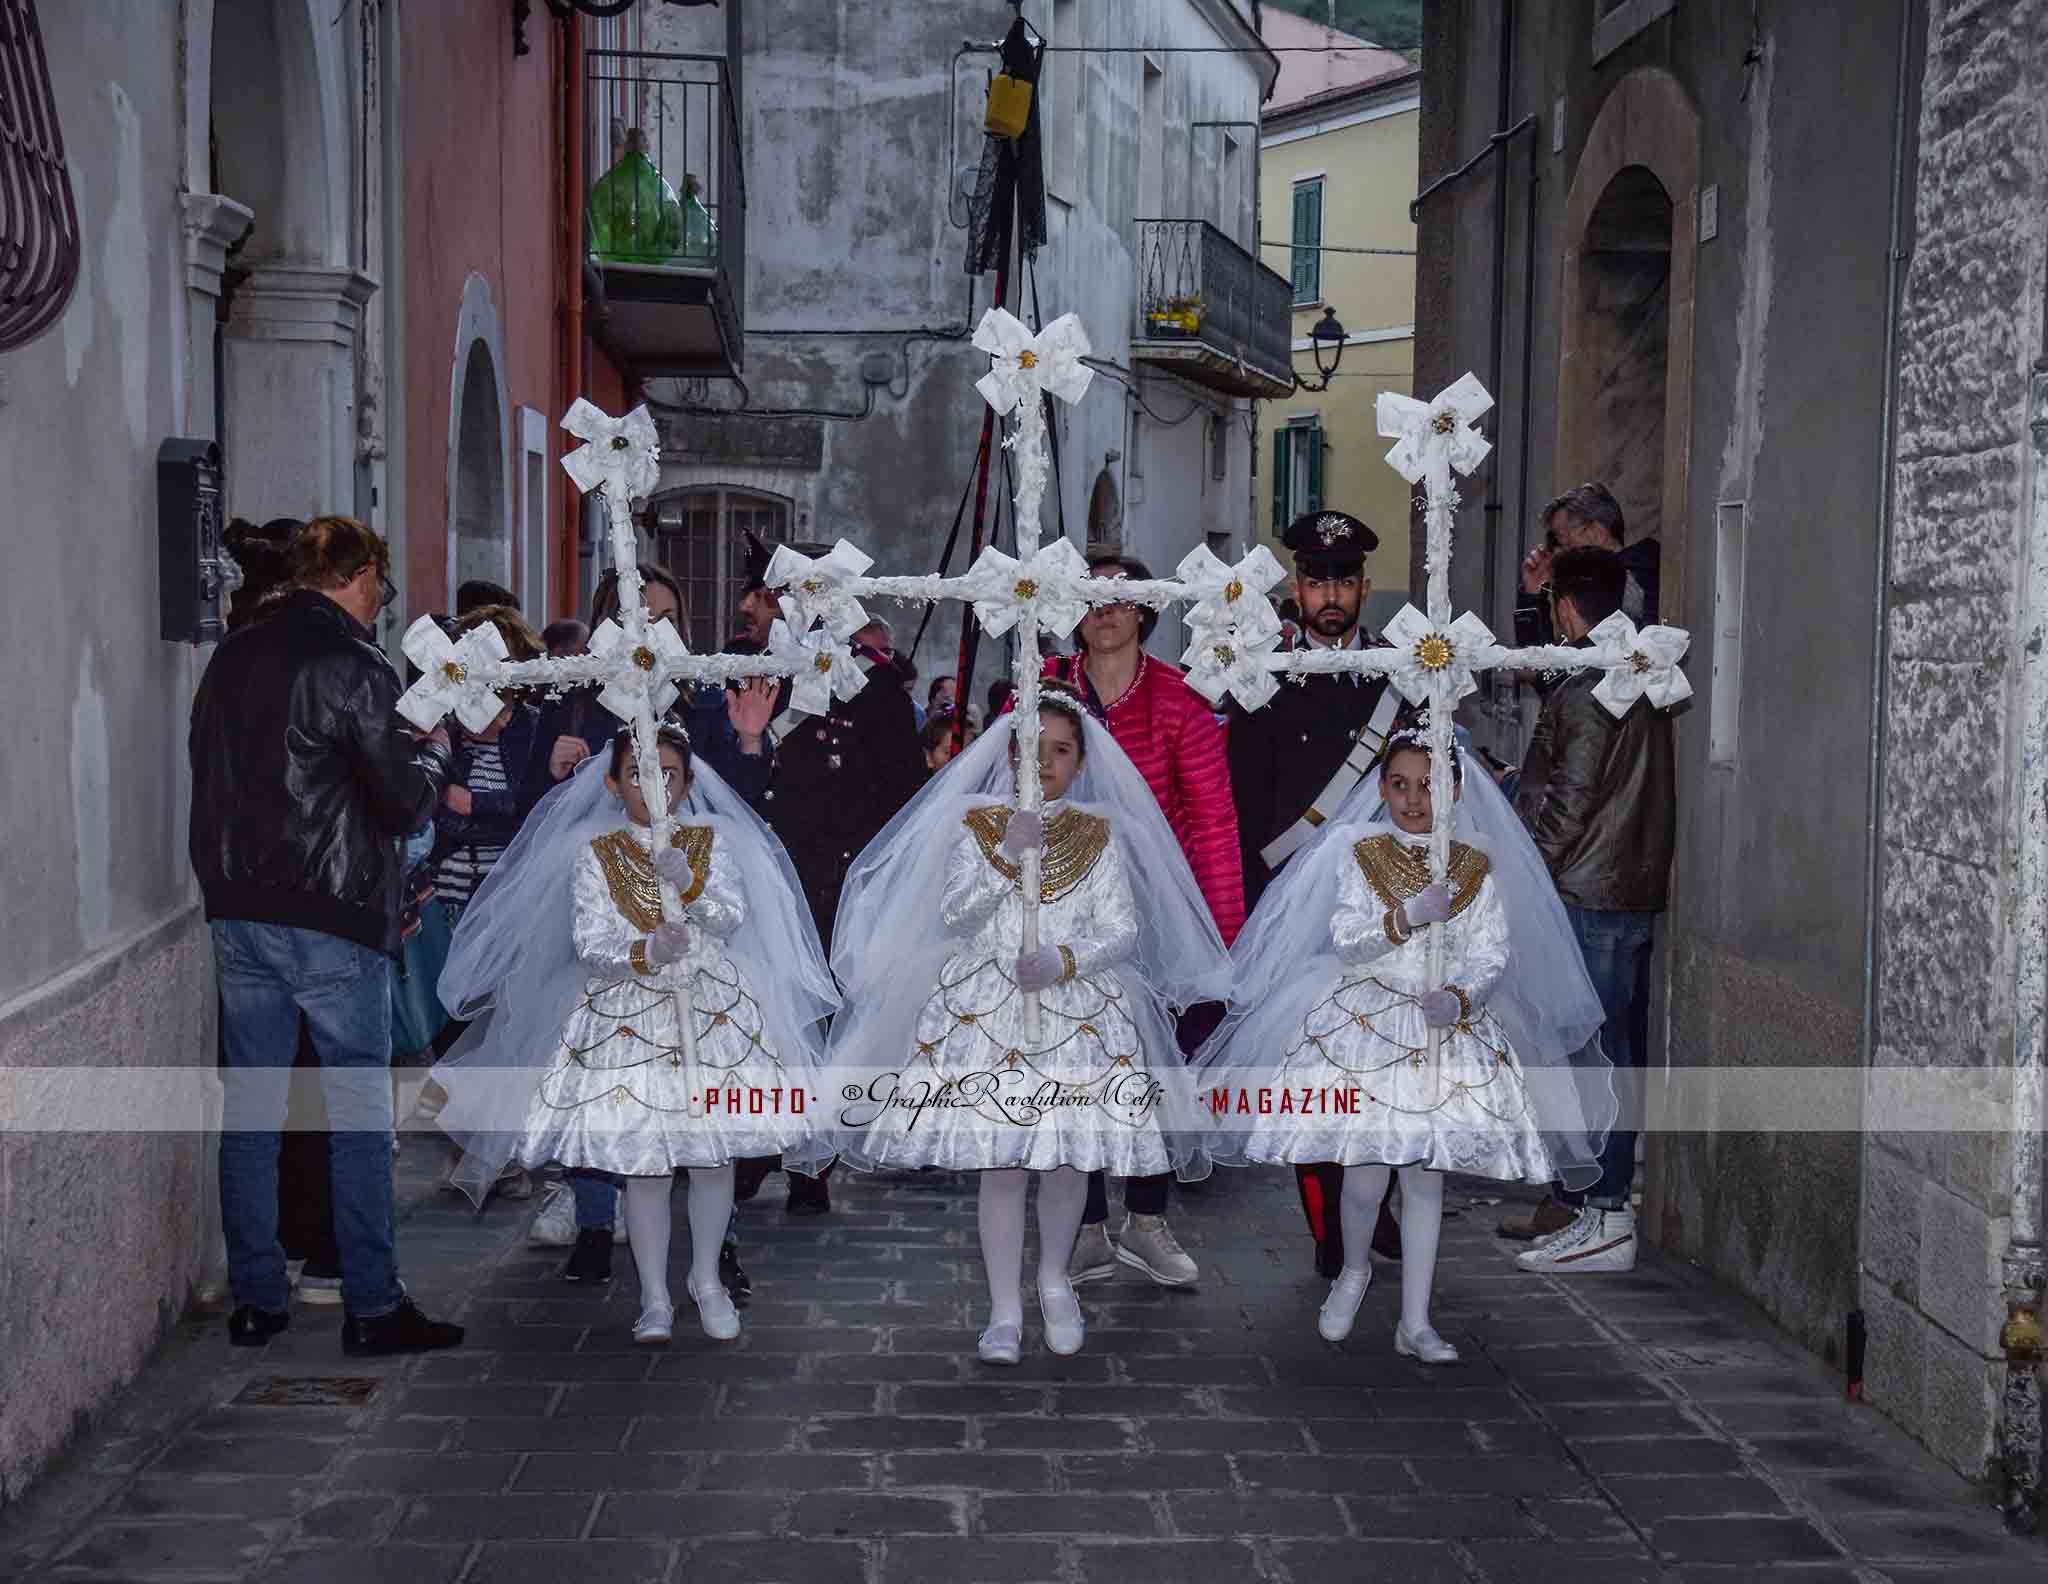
x=1213, y=311
x=666, y=180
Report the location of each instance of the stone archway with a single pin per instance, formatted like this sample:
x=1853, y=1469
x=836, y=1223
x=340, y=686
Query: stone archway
x=276, y=145
x=1105, y=511
x=1625, y=365
x=480, y=542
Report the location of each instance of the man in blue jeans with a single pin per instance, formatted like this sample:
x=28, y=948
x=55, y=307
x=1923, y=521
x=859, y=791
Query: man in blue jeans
x=304, y=780
x=1598, y=797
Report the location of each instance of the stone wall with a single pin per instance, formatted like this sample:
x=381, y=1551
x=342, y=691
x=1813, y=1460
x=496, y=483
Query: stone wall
x=1936, y=1207
x=102, y=1235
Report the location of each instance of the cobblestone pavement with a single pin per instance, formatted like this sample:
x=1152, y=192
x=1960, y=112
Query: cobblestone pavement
x=1620, y=1428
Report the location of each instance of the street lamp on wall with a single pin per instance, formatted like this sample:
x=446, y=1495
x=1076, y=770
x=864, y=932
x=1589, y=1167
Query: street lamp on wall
x=1327, y=342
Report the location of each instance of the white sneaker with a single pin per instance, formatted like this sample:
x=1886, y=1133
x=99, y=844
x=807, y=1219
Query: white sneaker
x=1094, y=1257
x=1340, y=1309
x=1147, y=1243
x=555, y=1226
x=1605, y=1240
x=1566, y=1230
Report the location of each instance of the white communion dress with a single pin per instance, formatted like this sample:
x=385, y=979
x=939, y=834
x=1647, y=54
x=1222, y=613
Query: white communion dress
x=1359, y=1054
x=976, y=1092
x=624, y=1094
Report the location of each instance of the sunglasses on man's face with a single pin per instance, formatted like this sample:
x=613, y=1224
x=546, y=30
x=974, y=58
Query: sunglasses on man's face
x=387, y=591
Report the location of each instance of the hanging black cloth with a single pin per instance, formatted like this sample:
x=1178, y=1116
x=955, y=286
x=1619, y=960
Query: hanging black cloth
x=1010, y=186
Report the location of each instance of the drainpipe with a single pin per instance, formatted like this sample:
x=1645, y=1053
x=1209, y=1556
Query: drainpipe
x=1492, y=509
x=575, y=369
x=2022, y=1266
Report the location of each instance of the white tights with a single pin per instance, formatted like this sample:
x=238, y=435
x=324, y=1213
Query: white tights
x=647, y=1224
x=1062, y=1197
x=1422, y=1219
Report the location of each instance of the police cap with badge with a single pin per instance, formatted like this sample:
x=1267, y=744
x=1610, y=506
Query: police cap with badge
x=759, y=554
x=1329, y=544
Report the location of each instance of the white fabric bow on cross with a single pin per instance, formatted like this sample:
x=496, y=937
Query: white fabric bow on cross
x=1023, y=364
x=1223, y=664
x=450, y=675
x=1429, y=652
x=813, y=588
x=1435, y=437
x=1640, y=664
x=650, y=673
x=1050, y=586
x=1231, y=598
x=622, y=456
x=821, y=668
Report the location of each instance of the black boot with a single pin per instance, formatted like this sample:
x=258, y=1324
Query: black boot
x=730, y=1275
x=404, y=1330
x=591, y=1259
x=808, y=1196
x=249, y=1326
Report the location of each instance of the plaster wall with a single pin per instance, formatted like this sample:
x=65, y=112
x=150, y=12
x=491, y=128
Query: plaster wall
x=1760, y=954
x=858, y=129
x=102, y=954
x=482, y=197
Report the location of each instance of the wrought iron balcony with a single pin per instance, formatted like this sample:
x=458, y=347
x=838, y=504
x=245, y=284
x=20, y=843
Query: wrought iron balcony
x=1211, y=312
x=666, y=220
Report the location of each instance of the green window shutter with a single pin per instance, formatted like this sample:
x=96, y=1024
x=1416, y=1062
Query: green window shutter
x=1312, y=437
x=1307, y=259
x=1283, y=459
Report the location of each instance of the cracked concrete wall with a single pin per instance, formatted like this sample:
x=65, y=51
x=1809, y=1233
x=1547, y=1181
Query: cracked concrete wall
x=858, y=131
x=1936, y=1217
x=103, y=961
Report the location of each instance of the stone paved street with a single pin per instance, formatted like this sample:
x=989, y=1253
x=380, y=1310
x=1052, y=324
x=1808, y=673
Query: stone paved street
x=1626, y=1428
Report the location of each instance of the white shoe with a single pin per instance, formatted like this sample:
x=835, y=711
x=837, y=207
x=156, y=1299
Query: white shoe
x=1001, y=1344
x=1424, y=1344
x=314, y=1288
x=655, y=1326
x=1065, y=1330
x=555, y=1226
x=1566, y=1230
x=715, y=1311
x=1602, y=1241
x=1340, y=1309
x=1148, y=1244
x=1094, y=1257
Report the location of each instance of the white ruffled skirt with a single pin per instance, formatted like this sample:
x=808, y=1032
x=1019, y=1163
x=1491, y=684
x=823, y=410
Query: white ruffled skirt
x=624, y=1095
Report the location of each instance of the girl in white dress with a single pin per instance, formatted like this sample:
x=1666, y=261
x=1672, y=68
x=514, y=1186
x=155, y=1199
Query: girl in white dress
x=710, y=933
x=1331, y=1048
x=936, y=1050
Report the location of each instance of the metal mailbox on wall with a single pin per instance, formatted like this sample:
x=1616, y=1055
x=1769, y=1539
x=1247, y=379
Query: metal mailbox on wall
x=190, y=574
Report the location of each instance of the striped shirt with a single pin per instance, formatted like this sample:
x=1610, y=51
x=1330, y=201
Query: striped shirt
x=460, y=872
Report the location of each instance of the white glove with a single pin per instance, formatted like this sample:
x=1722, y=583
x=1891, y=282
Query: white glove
x=1042, y=969
x=673, y=867
x=668, y=943
x=1430, y=905
x=1441, y=1009
x=1026, y=829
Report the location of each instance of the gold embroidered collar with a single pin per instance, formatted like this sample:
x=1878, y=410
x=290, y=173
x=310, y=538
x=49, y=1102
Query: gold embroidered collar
x=629, y=872
x=1073, y=843
x=1397, y=871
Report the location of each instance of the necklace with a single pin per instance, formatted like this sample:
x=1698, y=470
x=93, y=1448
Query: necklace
x=1073, y=843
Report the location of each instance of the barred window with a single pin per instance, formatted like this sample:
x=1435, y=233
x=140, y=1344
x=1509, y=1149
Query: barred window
x=700, y=535
x=38, y=219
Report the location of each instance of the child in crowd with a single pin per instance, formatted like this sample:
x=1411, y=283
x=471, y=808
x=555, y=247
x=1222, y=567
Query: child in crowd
x=956, y=1068
x=641, y=1011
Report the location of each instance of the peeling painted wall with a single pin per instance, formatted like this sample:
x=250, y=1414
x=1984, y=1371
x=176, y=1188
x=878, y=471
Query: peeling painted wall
x=102, y=954
x=857, y=130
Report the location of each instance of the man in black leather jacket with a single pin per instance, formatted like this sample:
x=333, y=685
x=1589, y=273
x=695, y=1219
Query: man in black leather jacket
x=303, y=782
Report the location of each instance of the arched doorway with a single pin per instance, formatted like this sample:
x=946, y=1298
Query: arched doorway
x=1105, y=512
x=277, y=143
x=1625, y=367
x=480, y=538
x=1624, y=311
